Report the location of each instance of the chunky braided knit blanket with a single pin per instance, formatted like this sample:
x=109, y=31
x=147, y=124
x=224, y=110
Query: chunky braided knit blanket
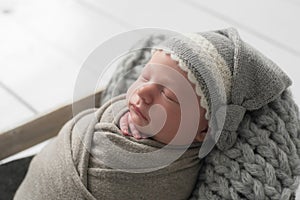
x=264, y=161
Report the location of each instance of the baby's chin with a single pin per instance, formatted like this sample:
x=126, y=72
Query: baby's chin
x=142, y=126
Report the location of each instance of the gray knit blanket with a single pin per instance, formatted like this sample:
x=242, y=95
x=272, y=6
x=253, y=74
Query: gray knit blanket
x=263, y=163
x=91, y=159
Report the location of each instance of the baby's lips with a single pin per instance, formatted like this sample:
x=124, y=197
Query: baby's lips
x=139, y=112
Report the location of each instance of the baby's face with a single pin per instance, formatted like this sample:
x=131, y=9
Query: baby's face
x=146, y=92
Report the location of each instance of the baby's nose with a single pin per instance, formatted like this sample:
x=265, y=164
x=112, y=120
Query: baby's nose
x=149, y=92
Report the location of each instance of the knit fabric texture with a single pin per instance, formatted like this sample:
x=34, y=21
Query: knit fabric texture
x=264, y=161
x=257, y=155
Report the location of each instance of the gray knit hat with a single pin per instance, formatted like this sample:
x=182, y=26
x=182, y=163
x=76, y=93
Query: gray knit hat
x=230, y=76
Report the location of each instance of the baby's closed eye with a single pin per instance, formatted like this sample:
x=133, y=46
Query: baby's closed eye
x=169, y=95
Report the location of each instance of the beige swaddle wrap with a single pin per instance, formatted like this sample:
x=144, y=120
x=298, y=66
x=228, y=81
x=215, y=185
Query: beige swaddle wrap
x=81, y=163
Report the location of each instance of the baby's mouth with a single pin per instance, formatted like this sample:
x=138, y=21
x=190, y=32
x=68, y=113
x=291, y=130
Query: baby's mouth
x=138, y=111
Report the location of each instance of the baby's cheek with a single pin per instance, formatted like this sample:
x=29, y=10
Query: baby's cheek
x=131, y=90
x=174, y=114
x=173, y=120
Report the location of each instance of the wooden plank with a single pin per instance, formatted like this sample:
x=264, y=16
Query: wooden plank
x=42, y=127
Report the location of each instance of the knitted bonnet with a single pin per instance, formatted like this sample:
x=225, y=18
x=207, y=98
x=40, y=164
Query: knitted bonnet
x=229, y=75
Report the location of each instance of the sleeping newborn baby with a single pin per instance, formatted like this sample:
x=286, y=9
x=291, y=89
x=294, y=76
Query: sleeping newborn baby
x=131, y=148
x=155, y=175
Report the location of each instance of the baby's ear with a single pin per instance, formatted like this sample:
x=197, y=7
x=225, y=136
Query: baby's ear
x=200, y=136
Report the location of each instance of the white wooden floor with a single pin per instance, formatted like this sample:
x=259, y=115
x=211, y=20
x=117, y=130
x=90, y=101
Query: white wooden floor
x=43, y=43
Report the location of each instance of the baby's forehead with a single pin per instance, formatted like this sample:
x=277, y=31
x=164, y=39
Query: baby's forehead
x=160, y=58
x=162, y=67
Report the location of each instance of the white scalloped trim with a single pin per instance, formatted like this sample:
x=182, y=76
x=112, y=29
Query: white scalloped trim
x=213, y=53
x=190, y=76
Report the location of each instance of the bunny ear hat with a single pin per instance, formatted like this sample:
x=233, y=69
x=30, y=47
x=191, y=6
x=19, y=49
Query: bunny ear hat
x=253, y=119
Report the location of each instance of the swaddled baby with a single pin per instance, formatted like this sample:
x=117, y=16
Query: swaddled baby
x=144, y=145
x=150, y=115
